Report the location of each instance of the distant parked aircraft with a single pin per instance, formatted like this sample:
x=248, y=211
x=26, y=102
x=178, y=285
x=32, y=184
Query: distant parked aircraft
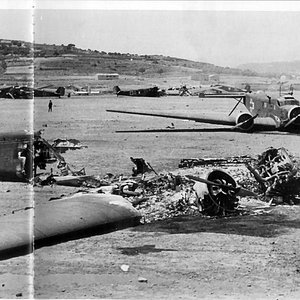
x=25, y=92
x=148, y=92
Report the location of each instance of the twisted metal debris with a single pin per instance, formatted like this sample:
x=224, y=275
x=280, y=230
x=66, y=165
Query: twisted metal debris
x=274, y=174
x=277, y=173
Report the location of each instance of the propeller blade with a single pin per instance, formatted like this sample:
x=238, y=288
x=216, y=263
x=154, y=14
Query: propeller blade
x=196, y=178
x=244, y=122
x=291, y=121
x=245, y=192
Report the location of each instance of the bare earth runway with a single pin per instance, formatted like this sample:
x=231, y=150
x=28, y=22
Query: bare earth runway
x=245, y=257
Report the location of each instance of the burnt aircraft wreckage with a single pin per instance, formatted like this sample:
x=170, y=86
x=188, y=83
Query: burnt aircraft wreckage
x=47, y=223
x=117, y=202
x=21, y=153
x=16, y=155
x=264, y=113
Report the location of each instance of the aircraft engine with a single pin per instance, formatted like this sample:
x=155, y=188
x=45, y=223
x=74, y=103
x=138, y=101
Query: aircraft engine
x=294, y=112
x=215, y=200
x=242, y=123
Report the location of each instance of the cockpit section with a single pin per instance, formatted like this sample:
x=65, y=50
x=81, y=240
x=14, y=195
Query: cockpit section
x=287, y=100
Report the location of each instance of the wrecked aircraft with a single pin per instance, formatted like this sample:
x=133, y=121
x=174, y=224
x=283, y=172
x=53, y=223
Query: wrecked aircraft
x=62, y=145
x=217, y=196
x=17, y=155
x=21, y=153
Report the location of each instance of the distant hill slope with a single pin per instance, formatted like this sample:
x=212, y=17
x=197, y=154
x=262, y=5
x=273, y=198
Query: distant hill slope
x=125, y=64
x=277, y=68
x=70, y=60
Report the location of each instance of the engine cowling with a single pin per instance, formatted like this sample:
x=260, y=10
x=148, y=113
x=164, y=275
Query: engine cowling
x=294, y=112
x=244, y=121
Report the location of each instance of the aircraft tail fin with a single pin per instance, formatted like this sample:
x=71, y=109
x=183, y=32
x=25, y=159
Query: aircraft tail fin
x=248, y=88
x=61, y=91
x=116, y=89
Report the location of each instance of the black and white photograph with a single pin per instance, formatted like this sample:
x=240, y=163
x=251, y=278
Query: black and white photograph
x=149, y=149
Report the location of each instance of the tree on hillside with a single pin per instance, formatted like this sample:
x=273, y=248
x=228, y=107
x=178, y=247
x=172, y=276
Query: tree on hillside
x=142, y=70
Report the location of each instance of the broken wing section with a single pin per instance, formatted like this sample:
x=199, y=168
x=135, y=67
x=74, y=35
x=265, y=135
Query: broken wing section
x=68, y=218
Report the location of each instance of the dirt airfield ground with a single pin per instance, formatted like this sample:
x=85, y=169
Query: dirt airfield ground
x=244, y=257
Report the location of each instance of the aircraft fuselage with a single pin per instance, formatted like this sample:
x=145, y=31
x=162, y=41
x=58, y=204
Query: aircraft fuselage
x=282, y=110
x=15, y=164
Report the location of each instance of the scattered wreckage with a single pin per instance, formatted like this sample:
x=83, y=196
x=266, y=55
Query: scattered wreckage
x=178, y=91
x=115, y=202
x=277, y=174
x=193, y=162
x=62, y=145
x=273, y=175
x=215, y=194
x=88, y=213
x=22, y=153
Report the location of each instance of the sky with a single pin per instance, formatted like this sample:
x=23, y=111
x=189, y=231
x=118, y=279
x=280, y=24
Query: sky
x=220, y=34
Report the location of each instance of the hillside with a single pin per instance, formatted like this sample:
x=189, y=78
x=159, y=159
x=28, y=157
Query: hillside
x=70, y=60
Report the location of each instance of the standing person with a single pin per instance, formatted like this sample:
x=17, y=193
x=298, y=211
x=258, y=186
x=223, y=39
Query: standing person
x=50, y=106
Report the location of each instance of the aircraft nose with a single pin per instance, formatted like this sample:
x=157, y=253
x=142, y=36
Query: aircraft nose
x=294, y=113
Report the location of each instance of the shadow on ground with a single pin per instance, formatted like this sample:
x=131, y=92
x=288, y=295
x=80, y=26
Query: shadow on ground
x=145, y=249
x=267, y=225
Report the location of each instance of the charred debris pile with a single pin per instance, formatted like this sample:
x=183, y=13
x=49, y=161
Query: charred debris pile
x=215, y=187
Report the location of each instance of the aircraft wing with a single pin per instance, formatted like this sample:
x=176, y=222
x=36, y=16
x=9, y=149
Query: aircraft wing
x=172, y=130
x=64, y=219
x=203, y=118
x=233, y=120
